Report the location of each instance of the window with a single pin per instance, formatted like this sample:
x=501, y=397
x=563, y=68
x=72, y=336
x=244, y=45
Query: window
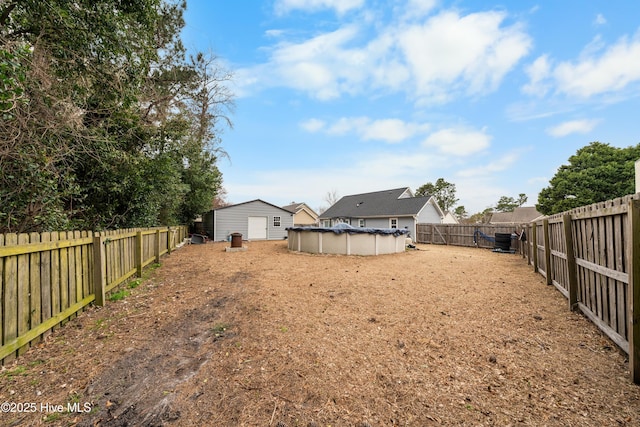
x=326, y=223
x=393, y=222
x=361, y=223
x=276, y=221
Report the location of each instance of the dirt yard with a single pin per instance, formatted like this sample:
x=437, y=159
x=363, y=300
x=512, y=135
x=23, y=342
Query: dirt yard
x=268, y=337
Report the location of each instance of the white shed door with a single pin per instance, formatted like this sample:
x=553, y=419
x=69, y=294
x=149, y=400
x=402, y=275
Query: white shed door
x=257, y=227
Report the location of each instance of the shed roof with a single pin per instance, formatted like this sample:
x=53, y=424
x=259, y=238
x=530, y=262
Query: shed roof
x=386, y=203
x=252, y=201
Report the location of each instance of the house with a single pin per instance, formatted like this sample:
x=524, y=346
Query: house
x=396, y=208
x=255, y=219
x=450, y=218
x=302, y=214
x=519, y=215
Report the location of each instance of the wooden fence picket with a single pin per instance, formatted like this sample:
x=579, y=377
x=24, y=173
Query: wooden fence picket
x=47, y=278
x=591, y=255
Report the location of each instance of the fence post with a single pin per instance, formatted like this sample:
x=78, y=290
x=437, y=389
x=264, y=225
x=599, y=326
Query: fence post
x=99, y=269
x=169, y=240
x=633, y=313
x=534, y=245
x=547, y=250
x=139, y=254
x=158, y=246
x=571, y=263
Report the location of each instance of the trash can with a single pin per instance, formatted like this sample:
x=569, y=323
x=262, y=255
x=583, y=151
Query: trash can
x=236, y=240
x=503, y=241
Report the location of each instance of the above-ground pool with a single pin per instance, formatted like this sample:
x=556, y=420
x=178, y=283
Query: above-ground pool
x=347, y=240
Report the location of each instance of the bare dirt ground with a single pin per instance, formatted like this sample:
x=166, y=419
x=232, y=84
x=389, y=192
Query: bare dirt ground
x=268, y=337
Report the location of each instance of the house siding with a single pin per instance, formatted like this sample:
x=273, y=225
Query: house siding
x=429, y=215
x=303, y=218
x=235, y=219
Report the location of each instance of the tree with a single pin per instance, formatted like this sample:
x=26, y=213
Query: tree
x=481, y=217
x=105, y=123
x=444, y=192
x=596, y=173
x=461, y=213
x=331, y=197
x=508, y=204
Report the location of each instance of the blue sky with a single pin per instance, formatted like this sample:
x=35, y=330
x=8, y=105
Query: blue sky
x=353, y=96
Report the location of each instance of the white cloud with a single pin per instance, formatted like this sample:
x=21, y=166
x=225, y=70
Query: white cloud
x=347, y=125
x=538, y=72
x=312, y=125
x=274, y=33
x=598, y=72
x=450, y=53
x=387, y=130
x=416, y=9
x=322, y=66
x=501, y=164
x=340, y=6
x=390, y=130
x=433, y=61
x=573, y=126
x=458, y=142
x=350, y=174
x=599, y=20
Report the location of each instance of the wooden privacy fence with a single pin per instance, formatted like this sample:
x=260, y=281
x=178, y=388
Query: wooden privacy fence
x=46, y=278
x=472, y=235
x=592, y=256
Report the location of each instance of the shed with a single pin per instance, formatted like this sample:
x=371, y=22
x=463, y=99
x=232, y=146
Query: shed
x=255, y=219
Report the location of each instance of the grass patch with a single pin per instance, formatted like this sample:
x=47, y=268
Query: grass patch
x=219, y=329
x=149, y=270
x=119, y=295
x=134, y=283
x=52, y=417
x=19, y=370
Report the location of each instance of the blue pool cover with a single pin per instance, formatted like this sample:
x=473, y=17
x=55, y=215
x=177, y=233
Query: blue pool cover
x=346, y=228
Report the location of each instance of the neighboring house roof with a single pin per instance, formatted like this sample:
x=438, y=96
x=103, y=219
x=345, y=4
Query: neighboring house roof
x=252, y=201
x=449, y=218
x=386, y=203
x=297, y=207
x=518, y=216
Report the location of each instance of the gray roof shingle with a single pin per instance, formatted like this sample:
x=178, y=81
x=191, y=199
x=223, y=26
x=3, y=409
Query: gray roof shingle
x=386, y=203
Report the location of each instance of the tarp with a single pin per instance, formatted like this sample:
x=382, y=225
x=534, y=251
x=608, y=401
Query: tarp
x=346, y=228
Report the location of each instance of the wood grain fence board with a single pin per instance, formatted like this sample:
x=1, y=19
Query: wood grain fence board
x=633, y=304
x=10, y=296
x=64, y=275
x=621, y=288
x=611, y=242
x=78, y=269
x=47, y=278
x=604, y=280
x=597, y=259
x=35, y=289
x=56, y=298
x=71, y=277
x=590, y=245
x=23, y=291
x=45, y=281
x=87, y=254
x=11, y=346
x=582, y=244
